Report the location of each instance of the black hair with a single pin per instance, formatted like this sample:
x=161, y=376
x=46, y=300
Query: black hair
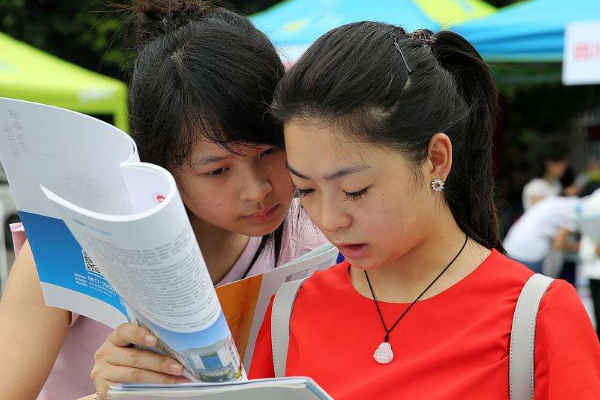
x=383, y=85
x=551, y=150
x=202, y=72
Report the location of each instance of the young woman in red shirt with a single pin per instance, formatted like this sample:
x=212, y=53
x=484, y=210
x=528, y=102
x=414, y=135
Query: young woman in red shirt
x=389, y=143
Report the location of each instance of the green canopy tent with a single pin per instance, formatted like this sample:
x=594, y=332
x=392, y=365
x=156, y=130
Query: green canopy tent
x=27, y=73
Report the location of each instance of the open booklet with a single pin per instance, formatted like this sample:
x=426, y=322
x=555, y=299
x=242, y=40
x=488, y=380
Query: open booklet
x=293, y=388
x=112, y=240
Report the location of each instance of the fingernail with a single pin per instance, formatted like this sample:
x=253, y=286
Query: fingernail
x=150, y=340
x=176, y=368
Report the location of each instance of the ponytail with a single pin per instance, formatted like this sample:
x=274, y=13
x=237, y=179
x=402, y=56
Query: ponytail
x=470, y=192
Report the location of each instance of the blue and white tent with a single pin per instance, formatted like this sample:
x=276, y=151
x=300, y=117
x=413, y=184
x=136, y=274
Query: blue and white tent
x=293, y=25
x=529, y=31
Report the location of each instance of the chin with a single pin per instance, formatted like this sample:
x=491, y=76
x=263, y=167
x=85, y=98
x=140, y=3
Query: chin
x=365, y=264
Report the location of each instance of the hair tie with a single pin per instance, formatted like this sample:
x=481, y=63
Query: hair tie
x=424, y=36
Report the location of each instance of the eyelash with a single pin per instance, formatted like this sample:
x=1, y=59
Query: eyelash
x=300, y=193
x=353, y=196
x=356, y=195
x=217, y=172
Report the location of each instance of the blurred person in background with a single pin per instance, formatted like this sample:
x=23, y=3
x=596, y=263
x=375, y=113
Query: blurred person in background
x=589, y=250
x=551, y=167
x=542, y=233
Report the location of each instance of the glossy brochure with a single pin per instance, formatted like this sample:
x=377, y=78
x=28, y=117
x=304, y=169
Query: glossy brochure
x=110, y=235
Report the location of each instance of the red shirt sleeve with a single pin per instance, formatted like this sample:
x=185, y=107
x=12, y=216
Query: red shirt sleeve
x=262, y=359
x=567, y=351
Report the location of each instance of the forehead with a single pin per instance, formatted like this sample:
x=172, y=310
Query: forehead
x=318, y=148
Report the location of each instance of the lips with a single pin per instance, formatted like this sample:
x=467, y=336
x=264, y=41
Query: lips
x=353, y=250
x=260, y=217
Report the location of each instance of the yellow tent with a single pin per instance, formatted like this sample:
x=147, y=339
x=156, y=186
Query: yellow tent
x=27, y=73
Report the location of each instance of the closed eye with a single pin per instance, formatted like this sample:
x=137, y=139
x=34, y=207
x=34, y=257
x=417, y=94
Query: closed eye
x=356, y=195
x=303, y=192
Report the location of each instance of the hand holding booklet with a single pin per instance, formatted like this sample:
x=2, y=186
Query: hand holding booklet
x=112, y=241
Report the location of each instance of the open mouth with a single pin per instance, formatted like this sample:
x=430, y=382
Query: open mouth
x=353, y=250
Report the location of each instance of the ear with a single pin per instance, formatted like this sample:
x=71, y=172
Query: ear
x=439, y=157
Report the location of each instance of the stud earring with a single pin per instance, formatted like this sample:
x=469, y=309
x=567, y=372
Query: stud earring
x=437, y=185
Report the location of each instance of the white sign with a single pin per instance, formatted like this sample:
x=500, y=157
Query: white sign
x=581, y=59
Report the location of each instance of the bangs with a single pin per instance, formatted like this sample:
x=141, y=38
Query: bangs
x=229, y=129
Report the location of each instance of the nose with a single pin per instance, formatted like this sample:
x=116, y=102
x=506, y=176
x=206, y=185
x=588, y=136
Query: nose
x=255, y=186
x=332, y=216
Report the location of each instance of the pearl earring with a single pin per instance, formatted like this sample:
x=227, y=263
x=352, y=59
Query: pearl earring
x=437, y=185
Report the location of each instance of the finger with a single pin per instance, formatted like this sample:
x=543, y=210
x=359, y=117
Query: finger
x=143, y=359
x=102, y=389
x=136, y=375
x=129, y=333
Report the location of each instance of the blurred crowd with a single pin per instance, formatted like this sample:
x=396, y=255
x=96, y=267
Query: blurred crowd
x=555, y=233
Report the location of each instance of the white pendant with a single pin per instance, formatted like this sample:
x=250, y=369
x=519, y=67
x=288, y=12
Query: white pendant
x=384, y=353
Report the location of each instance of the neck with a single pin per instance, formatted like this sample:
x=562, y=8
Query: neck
x=405, y=278
x=220, y=248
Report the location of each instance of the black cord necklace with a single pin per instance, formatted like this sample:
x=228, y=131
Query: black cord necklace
x=384, y=353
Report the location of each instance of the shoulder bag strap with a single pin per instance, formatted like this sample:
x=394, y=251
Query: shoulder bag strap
x=522, y=338
x=280, y=323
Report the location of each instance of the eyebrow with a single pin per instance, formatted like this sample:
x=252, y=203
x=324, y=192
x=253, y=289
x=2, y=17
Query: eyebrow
x=209, y=160
x=339, y=174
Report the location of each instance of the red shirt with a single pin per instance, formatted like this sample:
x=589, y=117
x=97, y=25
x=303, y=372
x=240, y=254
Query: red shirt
x=451, y=346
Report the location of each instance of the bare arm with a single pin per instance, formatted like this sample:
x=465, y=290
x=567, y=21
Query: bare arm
x=536, y=199
x=31, y=334
x=561, y=241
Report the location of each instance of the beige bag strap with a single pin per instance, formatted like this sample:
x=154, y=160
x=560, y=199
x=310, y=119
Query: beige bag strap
x=522, y=338
x=280, y=323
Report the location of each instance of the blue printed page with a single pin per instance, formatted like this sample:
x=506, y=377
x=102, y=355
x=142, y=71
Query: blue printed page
x=77, y=156
x=152, y=259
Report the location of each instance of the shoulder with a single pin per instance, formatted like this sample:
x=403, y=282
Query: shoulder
x=567, y=352
x=325, y=283
x=509, y=276
x=562, y=316
x=502, y=270
x=561, y=298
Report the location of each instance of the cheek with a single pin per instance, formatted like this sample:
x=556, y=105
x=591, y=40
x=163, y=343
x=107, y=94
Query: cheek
x=397, y=213
x=216, y=207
